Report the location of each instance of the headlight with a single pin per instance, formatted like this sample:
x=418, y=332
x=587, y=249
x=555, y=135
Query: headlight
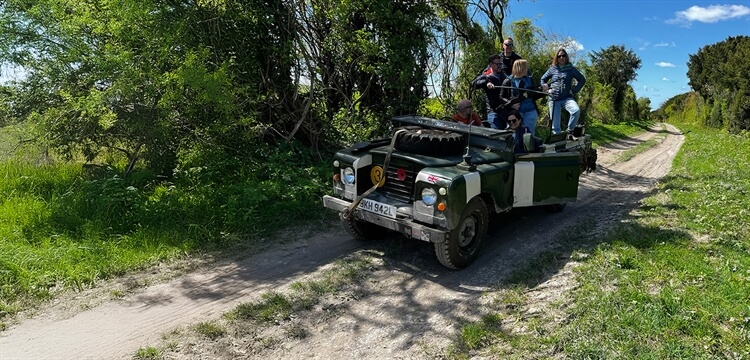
x=429, y=196
x=349, y=176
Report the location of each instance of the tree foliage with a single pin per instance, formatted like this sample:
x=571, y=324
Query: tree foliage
x=160, y=82
x=615, y=66
x=720, y=74
x=153, y=79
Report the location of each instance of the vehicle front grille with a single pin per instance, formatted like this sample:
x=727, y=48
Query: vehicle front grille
x=400, y=190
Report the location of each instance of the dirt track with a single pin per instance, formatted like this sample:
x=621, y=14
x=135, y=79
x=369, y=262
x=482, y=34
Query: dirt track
x=412, y=305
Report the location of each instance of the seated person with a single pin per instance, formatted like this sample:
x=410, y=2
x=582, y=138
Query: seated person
x=465, y=114
x=515, y=121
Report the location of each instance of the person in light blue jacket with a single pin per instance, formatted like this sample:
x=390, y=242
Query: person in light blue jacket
x=513, y=93
x=561, y=90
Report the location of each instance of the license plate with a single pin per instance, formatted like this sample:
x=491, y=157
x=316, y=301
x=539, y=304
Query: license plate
x=378, y=208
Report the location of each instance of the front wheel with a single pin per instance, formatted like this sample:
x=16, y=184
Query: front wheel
x=463, y=243
x=361, y=230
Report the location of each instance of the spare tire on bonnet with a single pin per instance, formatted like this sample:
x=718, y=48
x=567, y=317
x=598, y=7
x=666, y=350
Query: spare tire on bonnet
x=435, y=142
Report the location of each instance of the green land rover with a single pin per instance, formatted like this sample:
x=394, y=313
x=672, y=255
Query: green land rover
x=437, y=181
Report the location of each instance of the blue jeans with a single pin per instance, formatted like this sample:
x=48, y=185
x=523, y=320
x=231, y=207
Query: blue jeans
x=496, y=121
x=529, y=120
x=555, y=113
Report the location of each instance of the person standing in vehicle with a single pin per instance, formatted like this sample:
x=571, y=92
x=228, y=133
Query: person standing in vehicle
x=509, y=55
x=561, y=90
x=465, y=115
x=491, y=84
x=523, y=102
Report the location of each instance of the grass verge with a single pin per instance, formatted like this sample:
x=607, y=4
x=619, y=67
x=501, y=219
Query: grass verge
x=671, y=281
x=64, y=226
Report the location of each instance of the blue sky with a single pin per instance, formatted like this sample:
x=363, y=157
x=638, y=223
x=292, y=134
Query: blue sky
x=663, y=33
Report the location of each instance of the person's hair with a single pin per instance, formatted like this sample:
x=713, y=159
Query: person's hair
x=554, y=58
x=462, y=104
x=520, y=68
x=515, y=113
x=508, y=38
x=494, y=57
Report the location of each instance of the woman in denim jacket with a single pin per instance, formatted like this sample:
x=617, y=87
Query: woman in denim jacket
x=561, y=90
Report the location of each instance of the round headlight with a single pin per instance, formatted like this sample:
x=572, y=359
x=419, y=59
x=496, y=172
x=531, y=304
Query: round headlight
x=349, y=176
x=429, y=196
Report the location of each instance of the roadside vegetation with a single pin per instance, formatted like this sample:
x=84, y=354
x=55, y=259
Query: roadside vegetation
x=66, y=226
x=669, y=281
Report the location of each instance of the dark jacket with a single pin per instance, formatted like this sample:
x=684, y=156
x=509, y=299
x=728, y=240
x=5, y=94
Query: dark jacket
x=493, y=96
x=561, y=81
x=518, y=138
x=508, y=61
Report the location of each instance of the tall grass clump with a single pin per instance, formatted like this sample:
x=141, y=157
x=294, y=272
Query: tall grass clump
x=66, y=227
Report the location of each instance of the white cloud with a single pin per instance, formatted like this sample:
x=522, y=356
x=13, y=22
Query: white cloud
x=710, y=14
x=664, y=64
x=665, y=79
x=665, y=44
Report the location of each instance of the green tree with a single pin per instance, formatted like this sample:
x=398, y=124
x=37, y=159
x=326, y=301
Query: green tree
x=644, y=108
x=615, y=66
x=147, y=79
x=719, y=72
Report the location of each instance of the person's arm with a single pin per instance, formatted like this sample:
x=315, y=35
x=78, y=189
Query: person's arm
x=545, y=76
x=580, y=79
x=479, y=82
x=476, y=120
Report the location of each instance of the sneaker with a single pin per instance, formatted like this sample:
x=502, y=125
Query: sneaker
x=572, y=138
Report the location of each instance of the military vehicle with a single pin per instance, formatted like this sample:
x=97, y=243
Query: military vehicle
x=438, y=181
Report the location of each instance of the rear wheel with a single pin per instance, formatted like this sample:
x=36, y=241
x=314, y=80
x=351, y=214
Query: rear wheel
x=361, y=230
x=463, y=243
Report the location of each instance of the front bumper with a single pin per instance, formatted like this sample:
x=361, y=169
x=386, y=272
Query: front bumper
x=405, y=226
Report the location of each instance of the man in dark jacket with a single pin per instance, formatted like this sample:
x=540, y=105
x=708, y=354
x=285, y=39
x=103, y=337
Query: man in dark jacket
x=491, y=84
x=508, y=55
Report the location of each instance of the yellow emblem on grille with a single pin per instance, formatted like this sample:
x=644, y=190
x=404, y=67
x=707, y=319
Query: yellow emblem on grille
x=377, y=176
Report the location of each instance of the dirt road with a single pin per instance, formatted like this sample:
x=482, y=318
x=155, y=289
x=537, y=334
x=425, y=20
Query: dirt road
x=412, y=305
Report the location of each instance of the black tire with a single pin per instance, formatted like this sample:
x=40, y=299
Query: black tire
x=463, y=243
x=555, y=208
x=360, y=230
x=430, y=142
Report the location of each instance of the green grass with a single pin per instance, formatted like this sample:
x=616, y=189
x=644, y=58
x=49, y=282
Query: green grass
x=148, y=353
x=66, y=227
x=669, y=282
x=605, y=134
x=275, y=307
x=642, y=147
x=210, y=330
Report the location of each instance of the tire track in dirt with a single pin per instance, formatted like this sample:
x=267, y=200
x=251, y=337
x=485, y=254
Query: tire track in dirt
x=412, y=305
